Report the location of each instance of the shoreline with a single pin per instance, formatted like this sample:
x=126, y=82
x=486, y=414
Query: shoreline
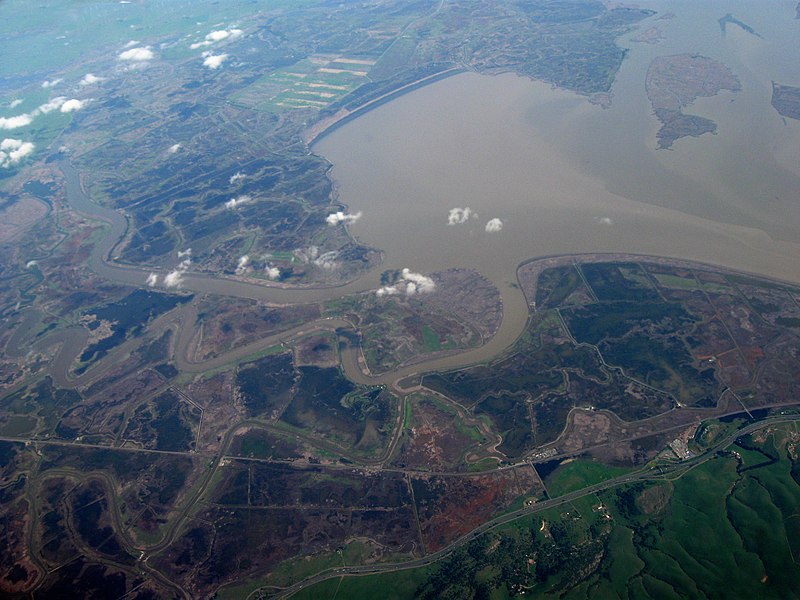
x=330, y=124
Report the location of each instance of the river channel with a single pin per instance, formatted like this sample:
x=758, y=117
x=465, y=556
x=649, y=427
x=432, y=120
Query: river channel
x=563, y=176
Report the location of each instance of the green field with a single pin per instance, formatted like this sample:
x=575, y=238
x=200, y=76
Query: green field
x=579, y=474
x=725, y=529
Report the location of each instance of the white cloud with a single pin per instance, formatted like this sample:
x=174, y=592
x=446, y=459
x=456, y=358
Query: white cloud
x=494, y=225
x=306, y=255
x=141, y=54
x=238, y=201
x=236, y=177
x=10, y=144
x=15, y=122
x=241, y=266
x=12, y=151
x=224, y=34
x=340, y=217
x=30, y=264
x=410, y=284
x=73, y=105
x=91, y=79
x=217, y=36
x=52, y=83
x=25, y=119
x=605, y=220
x=186, y=255
x=273, y=272
x=422, y=283
x=327, y=260
x=174, y=148
x=24, y=150
x=131, y=44
x=15, y=103
x=213, y=61
x=152, y=280
x=459, y=216
x=50, y=106
x=387, y=290
x=174, y=279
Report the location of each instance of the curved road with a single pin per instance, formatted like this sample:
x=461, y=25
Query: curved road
x=664, y=472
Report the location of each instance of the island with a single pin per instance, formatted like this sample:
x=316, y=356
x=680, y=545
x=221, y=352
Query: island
x=674, y=82
x=786, y=100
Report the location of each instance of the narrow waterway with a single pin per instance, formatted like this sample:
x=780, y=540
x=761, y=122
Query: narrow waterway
x=563, y=176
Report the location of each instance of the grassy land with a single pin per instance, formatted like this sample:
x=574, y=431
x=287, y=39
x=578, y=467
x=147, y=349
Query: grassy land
x=389, y=586
x=579, y=474
x=730, y=524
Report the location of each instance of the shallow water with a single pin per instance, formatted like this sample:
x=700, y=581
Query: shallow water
x=565, y=176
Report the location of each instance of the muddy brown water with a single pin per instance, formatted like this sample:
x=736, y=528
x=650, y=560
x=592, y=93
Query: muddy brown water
x=562, y=175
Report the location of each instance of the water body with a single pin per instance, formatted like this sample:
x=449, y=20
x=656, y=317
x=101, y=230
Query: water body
x=565, y=176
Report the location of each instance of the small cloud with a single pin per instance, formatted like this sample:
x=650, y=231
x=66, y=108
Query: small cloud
x=327, y=260
x=186, y=255
x=12, y=151
x=52, y=83
x=217, y=36
x=409, y=283
x=152, y=280
x=605, y=220
x=213, y=61
x=494, y=225
x=387, y=290
x=237, y=177
x=224, y=34
x=30, y=264
x=141, y=54
x=48, y=107
x=421, y=282
x=174, y=279
x=174, y=148
x=234, y=203
x=15, y=122
x=241, y=266
x=340, y=217
x=91, y=79
x=73, y=105
x=10, y=144
x=459, y=216
x=273, y=273
x=131, y=44
x=15, y=103
x=306, y=255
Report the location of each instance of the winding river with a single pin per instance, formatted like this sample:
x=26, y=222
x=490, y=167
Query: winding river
x=563, y=176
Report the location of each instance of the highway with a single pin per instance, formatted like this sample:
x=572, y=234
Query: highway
x=647, y=474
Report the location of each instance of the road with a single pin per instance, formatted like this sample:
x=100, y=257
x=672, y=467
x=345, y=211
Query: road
x=101, y=262
x=647, y=474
